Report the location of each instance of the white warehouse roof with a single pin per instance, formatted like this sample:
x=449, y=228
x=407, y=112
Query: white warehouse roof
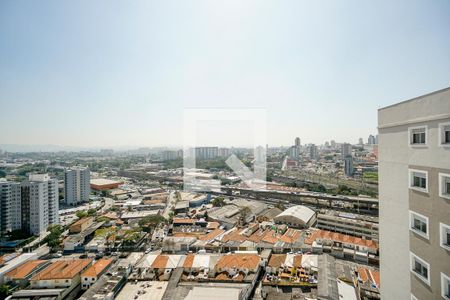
x=298, y=214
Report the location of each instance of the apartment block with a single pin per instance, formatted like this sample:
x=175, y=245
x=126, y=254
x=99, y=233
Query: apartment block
x=77, y=185
x=39, y=203
x=414, y=193
x=10, y=194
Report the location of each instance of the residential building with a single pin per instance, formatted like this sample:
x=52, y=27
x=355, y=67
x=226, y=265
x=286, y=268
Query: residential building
x=346, y=150
x=93, y=273
x=39, y=203
x=313, y=152
x=360, y=142
x=294, y=152
x=348, y=165
x=414, y=177
x=206, y=152
x=77, y=185
x=10, y=194
x=297, y=142
x=371, y=140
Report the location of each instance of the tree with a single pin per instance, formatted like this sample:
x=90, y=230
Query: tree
x=218, y=201
x=53, y=239
x=92, y=212
x=5, y=291
x=81, y=214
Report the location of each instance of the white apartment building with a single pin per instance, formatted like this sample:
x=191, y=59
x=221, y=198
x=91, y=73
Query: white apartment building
x=9, y=206
x=77, y=185
x=414, y=193
x=39, y=203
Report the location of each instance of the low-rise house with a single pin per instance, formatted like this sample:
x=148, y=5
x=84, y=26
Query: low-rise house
x=237, y=267
x=91, y=275
x=368, y=283
x=292, y=270
x=342, y=245
x=14, y=263
x=81, y=225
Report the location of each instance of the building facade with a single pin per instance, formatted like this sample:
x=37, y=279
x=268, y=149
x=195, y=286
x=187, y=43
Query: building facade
x=9, y=206
x=77, y=185
x=346, y=150
x=414, y=192
x=39, y=203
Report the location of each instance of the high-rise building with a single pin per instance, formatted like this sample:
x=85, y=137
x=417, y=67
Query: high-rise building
x=224, y=152
x=361, y=142
x=346, y=150
x=333, y=144
x=77, y=185
x=9, y=206
x=297, y=142
x=371, y=140
x=39, y=203
x=313, y=151
x=206, y=152
x=414, y=193
x=293, y=152
x=348, y=165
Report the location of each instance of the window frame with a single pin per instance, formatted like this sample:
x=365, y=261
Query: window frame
x=445, y=278
x=416, y=231
x=410, y=178
x=442, y=177
x=442, y=134
x=443, y=226
x=413, y=259
x=410, y=136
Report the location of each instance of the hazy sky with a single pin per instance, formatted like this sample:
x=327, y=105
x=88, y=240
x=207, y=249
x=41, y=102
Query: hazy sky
x=112, y=73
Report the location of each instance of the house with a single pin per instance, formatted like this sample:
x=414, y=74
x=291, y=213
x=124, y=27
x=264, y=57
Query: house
x=91, y=275
x=81, y=225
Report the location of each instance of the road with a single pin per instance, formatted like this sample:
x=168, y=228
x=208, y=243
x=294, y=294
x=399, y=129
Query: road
x=170, y=205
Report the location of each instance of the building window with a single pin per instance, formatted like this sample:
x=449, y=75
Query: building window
x=444, y=232
x=420, y=268
x=418, y=136
x=445, y=286
x=444, y=134
x=418, y=180
x=418, y=224
x=444, y=185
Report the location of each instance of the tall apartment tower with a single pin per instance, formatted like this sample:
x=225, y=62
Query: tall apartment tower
x=297, y=142
x=414, y=193
x=77, y=185
x=313, y=151
x=346, y=150
x=39, y=203
x=10, y=195
x=348, y=165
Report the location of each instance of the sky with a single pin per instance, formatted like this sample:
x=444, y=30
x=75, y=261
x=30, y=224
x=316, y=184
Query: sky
x=122, y=73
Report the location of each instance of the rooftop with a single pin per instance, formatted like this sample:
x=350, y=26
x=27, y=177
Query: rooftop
x=63, y=269
x=25, y=269
x=97, y=268
x=239, y=261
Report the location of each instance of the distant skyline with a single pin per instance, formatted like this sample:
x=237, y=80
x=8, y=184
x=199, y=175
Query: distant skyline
x=110, y=74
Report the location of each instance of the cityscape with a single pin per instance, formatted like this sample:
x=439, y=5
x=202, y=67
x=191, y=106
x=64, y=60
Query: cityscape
x=111, y=187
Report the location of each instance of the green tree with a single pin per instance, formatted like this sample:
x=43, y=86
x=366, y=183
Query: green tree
x=54, y=238
x=218, y=201
x=5, y=291
x=81, y=214
x=92, y=212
